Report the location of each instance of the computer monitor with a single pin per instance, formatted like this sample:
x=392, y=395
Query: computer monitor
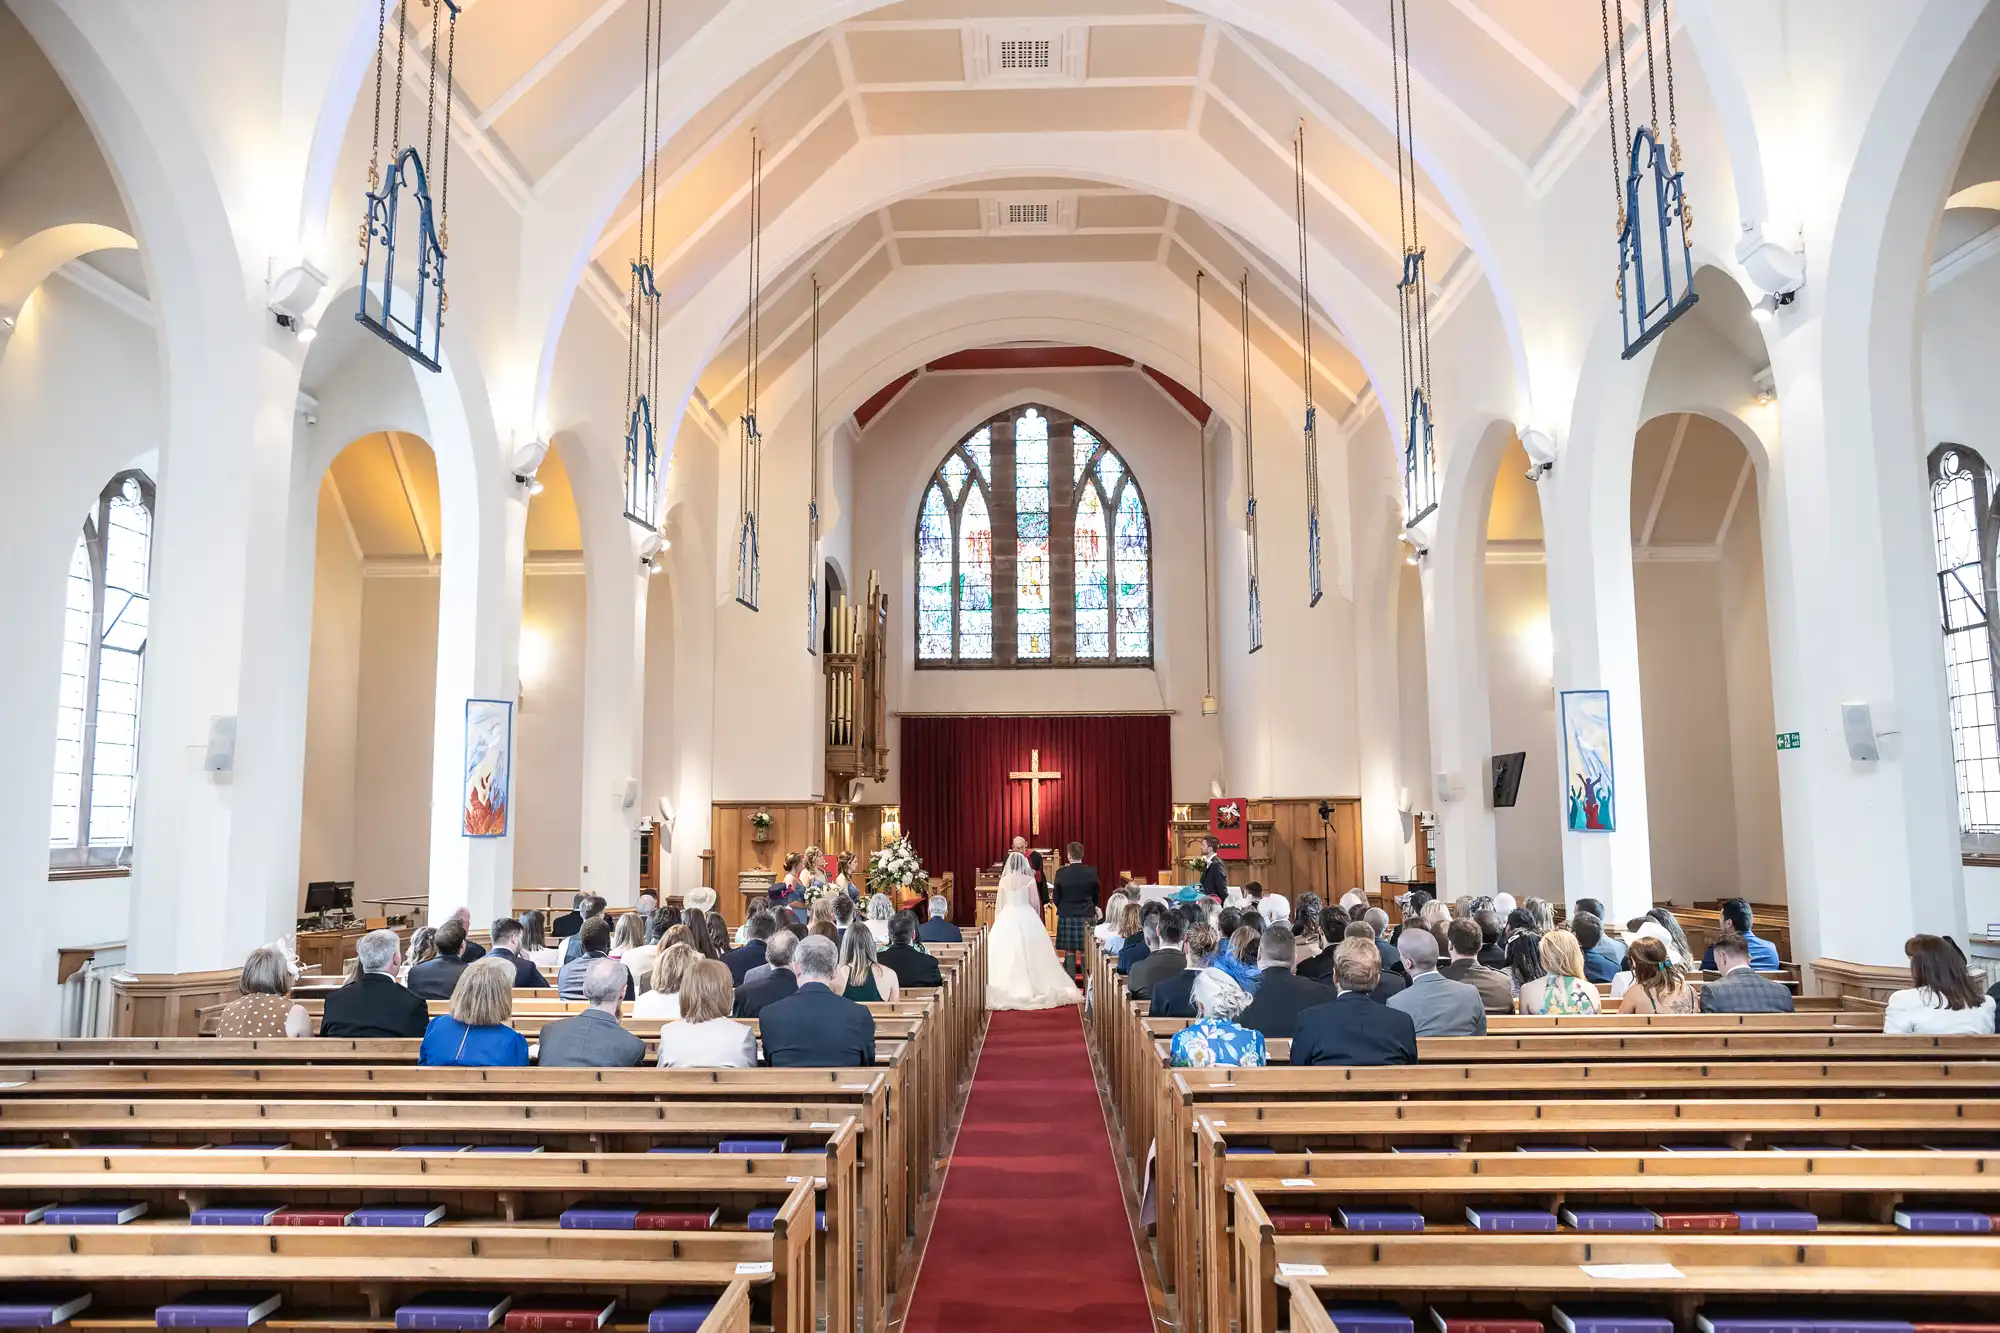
x=330, y=896
x=1507, y=777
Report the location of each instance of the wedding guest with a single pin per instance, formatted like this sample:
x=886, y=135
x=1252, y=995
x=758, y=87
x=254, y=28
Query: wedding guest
x=1599, y=963
x=593, y=942
x=1464, y=940
x=1174, y=997
x=912, y=966
x=374, y=1003
x=435, y=979
x=705, y=1036
x=780, y=979
x=859, y=976
x=1562, y=988
x=593, y=1039
x=1735, y=915
x=1945, y=999
x=662, y=998
x=1109, y=937
x=265, y=1008
x=1353, y=1029
x=639, y=962
x=1659, y=984
x=939, y=928
x=506, y=936
x=880, y=909
x=1132, y=944
x=817, y=1028
x=1215, y=1039
x=592, y=908
x=628, y=935
x=761, y=926
x=476, y=1031
x=1739, y=990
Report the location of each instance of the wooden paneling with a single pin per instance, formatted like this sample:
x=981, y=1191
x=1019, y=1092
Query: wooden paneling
x=795, y=825
x=165, y=1004
x=1291, y=849
x=1857, y=981
x=1304, y=849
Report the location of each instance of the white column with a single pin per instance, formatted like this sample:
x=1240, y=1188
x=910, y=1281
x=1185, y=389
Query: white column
x=1587, y=526
x=1461, y=727
x=1871, y=848
x=614, y=666
x=219, y=851
x=479, y=633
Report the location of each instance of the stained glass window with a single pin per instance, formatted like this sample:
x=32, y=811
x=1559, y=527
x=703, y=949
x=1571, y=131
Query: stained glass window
x=1134, y=578
x=1093, y=578
x=975, y=580
x=1034, y=571
x=979, y=448
x=1963, y=529
x=934, y=578
x=1071, y=546
x=105, y=616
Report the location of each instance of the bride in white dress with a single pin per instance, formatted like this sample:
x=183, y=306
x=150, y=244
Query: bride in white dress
x=1022, y=969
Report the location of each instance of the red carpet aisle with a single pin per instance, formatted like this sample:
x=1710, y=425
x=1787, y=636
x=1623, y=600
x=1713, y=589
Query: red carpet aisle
x=1031, y=1232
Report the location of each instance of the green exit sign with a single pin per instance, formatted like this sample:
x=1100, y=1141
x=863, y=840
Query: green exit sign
x=1788, y=740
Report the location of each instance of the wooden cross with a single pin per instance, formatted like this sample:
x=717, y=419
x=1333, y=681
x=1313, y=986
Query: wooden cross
x=1035, y=777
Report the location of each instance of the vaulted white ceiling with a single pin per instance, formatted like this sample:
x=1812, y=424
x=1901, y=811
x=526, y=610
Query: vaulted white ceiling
x=544, y=82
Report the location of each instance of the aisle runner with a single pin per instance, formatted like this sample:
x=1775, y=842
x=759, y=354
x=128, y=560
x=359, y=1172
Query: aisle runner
x=1031, y=1232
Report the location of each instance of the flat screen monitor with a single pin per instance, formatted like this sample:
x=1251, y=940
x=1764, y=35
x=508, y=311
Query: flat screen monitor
x=330, y=896
x=1507, y=777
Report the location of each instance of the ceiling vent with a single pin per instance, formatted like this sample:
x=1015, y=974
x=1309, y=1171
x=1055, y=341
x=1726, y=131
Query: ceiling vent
x=1032, y=212
x=1022, y=54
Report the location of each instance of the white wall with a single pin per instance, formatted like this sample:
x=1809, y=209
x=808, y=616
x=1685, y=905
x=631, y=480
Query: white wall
x=333, y=701
x=393, y=736
x=548, y=733
x=1521, y=693
x=1690, y=783
x=893, y=463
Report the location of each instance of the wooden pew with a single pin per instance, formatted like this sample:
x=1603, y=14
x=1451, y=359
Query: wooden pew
x=524, y=1192
x=1871, y=1184
x=515, y=1098
x=113, y=1130
x=1843, y=1272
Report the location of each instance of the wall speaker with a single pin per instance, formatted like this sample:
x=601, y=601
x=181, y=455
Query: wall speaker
x=627, y=793
x=221, y=756
x=1858, y=723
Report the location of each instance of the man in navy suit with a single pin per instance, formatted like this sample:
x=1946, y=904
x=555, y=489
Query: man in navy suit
x=817, y=1029
x=741, y=959
x=780, y=982
x=1282, y=995
x=1214, y=875
x=1174, y=996
x=939, y=929
x=506, y=936
x=1353, y=1029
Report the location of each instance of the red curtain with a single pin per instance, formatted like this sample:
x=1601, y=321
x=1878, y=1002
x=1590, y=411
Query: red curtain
x=960, y=809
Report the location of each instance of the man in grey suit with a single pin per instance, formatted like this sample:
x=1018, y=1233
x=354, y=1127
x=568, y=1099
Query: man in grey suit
x=1439, y=1006
x=1466, y=939
x=594, y=1039
x=1739, y=990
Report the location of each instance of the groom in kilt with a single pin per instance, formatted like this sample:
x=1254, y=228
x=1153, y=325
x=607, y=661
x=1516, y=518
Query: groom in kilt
x=1075, y=895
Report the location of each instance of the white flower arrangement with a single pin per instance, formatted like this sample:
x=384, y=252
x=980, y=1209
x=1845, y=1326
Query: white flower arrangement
x=895, y=866
x=815, y=889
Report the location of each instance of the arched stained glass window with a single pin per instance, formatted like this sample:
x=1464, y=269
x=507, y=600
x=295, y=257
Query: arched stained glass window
x=1034, y=549
x=1963, y=528
x=105, y=616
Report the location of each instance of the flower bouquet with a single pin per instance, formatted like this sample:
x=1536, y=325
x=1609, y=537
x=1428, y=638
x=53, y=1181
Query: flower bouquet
x=895, y=870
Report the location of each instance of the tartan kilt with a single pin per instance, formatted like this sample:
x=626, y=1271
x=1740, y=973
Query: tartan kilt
x=1071, y=933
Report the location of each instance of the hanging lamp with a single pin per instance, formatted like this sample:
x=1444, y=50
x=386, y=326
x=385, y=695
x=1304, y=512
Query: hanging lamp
x=410, y=321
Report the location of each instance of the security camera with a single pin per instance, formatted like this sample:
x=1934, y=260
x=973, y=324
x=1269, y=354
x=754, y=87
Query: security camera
x=312, y=418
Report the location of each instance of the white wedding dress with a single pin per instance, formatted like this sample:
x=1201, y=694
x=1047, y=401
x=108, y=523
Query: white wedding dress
x=1022, y=969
